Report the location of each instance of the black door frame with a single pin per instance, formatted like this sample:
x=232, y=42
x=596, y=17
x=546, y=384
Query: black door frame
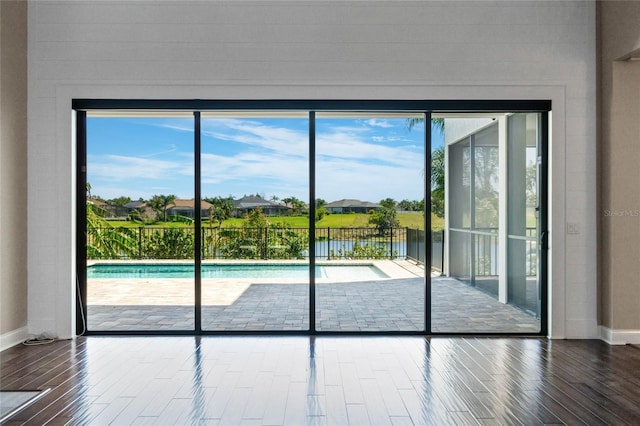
x=426, y=107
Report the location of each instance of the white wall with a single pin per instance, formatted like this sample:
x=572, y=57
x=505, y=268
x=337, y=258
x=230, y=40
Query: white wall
x=311, y=50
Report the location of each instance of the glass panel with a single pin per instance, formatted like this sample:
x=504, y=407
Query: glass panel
x=457, y=171
x=459, y=176
x=255, y=267
x=485, y=205
x=139, y=231
x=486, y=179
x=371, y=244
x=524, y=289
x=369, y=183
x=460, y=253
x=490, y=282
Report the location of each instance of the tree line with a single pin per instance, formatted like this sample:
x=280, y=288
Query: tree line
x=222, y=207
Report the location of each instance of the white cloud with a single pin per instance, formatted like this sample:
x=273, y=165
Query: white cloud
x=374, y=122
x=122, y=168
x=353, y=161
x=171, y=148
x=179, y=125
x=342, y=178
x=248, y=166
x=257, y=134
x=342, y=145
x=348, y=166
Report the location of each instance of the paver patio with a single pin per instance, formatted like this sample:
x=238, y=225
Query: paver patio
x=392, y=304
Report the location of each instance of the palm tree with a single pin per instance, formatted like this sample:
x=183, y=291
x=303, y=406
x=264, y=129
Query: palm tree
x=104, y=241
x=220, y=210
x=437, y=122
x=159, y=203
x=296, y=205
x=437, y=181
x=437, y=167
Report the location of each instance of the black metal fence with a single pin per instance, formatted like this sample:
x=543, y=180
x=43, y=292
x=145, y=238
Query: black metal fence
x=437, y=250
x=293, y=243
x=250, y=243
x=360, y=243
x=416, y=247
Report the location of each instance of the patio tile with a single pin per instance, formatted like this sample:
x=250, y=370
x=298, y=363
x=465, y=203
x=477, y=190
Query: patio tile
x=390, y=304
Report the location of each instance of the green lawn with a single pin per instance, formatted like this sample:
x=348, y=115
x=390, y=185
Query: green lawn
x=359, y=220
x=350, y=220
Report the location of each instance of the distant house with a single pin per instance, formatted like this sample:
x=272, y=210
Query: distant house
x=106, y=210
x=351, y=206
x=102, y=205
x=186, y=208
x=132, y=205
x=249, y=203
x=145, y=212
x=98, y=203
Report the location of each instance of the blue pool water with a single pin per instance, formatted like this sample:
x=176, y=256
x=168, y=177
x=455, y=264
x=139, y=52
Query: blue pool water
x=360, y=272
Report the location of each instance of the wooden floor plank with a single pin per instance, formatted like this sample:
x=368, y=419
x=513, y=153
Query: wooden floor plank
x=296, y=405
x=325, y=381
x=357, y=415
x=462, y=418
x=351, y=385
x=277, y=401
x=234, y=409
x=257, y=403
x=374, y=403
x=335, y=406
x=76, y=412
x=585, y=414
x=35, y=372
x=390, y=395
x=53, y=401
x=59, y=404
x=111, y=411
x=423, y=406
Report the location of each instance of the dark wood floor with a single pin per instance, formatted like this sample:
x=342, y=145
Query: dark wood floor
x=326, y=380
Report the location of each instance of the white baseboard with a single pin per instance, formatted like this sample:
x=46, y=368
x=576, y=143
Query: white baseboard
x=619, y=337
x=13, y=338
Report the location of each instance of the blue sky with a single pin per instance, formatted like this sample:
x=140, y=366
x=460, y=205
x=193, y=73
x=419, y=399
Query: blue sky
x=368, y=158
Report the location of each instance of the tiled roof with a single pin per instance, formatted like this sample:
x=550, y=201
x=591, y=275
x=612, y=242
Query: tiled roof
x=350, y=203
x=204, y=205
x=253, y=201
x=135, y=204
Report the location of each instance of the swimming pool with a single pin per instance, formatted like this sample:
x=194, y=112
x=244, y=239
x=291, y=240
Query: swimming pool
x=361, y=272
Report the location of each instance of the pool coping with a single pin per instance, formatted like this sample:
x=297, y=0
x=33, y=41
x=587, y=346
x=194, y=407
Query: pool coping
x=393, y=268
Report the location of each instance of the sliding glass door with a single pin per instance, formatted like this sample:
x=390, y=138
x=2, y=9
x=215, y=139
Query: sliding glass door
x=255, y=228
x=492, y=224
x=139, y=223
x=370, y=188
x=391, y=217
x=523, y=209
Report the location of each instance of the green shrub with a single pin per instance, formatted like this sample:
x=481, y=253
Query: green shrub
x=170, y=243
x=365, y=251
x=260, y=239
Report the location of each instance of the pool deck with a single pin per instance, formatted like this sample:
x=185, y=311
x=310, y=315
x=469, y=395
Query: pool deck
x=348, y=304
